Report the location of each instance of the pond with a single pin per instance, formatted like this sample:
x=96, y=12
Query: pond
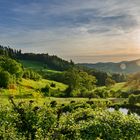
x=125, y=111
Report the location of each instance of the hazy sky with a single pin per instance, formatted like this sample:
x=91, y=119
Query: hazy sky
x=82, y=30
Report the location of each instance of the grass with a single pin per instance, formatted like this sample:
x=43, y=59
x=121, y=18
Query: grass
x=36, y=65
x=117, y=87
x=46, y=100
x=31, y=84
x=51, y=71
x=31, y=89
x=120, y=86
x=32, y=64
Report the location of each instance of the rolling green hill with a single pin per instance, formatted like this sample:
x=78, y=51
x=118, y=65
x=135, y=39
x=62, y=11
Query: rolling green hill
x=29, y=88
x=37, y=65
x=32, y=64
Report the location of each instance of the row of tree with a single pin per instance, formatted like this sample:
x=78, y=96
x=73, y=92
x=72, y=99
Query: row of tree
x=102, y=76
x=52, y=62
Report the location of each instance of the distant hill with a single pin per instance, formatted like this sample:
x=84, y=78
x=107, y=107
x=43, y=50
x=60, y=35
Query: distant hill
x=121, y=67
x=44, y=59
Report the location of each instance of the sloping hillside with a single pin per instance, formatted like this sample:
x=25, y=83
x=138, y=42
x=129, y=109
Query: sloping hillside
x=124, y=66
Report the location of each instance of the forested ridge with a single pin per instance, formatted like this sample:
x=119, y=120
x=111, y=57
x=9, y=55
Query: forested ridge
x=52, y=62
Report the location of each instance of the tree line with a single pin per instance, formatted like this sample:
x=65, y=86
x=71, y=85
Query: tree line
x=51, y=61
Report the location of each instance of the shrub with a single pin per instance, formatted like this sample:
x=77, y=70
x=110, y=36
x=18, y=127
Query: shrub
x=134, y=99
x=5, y=79
x=53, y=103
x=25, y=121
x=45, y=90
x=30, y=74
x=53, y=85
x=86, y=124
x=102, y=92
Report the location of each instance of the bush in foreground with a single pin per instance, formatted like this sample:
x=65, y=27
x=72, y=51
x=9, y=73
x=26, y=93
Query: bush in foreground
x=26, y=121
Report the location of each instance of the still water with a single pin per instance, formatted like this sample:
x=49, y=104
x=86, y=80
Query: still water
x=124, y=110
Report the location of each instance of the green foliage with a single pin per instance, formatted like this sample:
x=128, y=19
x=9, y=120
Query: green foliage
x=30, y=74
x=119, y=77
x=68, y=92
x=102, y=92
x=47, y=60
x=29, y=120
x=10, y=71
x=5, y=79
x=134, y=99
x=53, y=103
x=87, y=81
x=100, y=76
x=36, y=65
x=88, y=124
x=53, y=85
x=13, y=67
x=52, y=62
x=26, y=121
x=46, y=90
x=53, y=75
x=72, y=78
x=78, y=81
x=134, y=81
x=109, y=82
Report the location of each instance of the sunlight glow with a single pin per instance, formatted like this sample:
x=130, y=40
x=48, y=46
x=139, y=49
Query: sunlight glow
x=123, y=66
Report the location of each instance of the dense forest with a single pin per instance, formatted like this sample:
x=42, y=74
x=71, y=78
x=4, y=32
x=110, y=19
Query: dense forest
x=53, y=61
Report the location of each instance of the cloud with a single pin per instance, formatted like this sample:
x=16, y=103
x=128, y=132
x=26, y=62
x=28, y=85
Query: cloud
x=61, y=26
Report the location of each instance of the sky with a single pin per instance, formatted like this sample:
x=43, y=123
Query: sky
x=82, y=30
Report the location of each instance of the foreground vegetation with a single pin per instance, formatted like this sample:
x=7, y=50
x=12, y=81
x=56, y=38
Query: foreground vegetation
x=71, y=121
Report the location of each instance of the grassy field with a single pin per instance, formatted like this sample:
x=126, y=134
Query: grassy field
x=32, y=64
x=120, y=86
x=30, y=89
x=40, y=66
x=27, y=89
x=31, y=84
x=46, y=100
x=117, y=87
x=35, y=65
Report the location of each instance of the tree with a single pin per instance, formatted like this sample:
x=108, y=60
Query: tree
x=101, y=92
x=30, y=74
x=78, y=81
x=132, y=99
x=5, y=79
x=100, y=76
x=87, y=81
x=109, y=82
x=72, y=78
x=134, y=81
x=119, y=77
x=12, y=66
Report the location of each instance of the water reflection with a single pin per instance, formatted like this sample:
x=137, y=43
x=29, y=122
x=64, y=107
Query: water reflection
x=126, y=111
